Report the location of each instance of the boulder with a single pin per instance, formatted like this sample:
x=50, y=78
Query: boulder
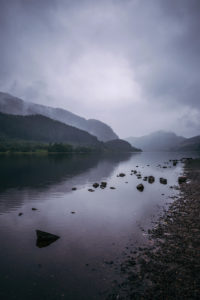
x=182, y=179
x=44, y=239
x=163, y=180
x=151, y=179
x=95, y=185
x=140, y=187
x=122, y=175
x=103, y=185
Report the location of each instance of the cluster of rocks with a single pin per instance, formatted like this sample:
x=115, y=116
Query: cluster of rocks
x=168, y=266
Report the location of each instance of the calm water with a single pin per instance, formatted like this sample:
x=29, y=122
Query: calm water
x=105, y=222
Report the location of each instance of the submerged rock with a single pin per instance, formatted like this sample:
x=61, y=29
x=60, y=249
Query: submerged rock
x=140, y=187
x=74, y=189
x=112, y=188
x=95, y=185
x=163, y=180
x=44, y=239
x=33, y=208
x=20, y=214
x=90, y=190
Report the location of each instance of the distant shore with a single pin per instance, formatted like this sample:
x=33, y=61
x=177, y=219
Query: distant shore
x=169, y=266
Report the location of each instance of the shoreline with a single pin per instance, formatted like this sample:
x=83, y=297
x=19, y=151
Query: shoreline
x=168, y=267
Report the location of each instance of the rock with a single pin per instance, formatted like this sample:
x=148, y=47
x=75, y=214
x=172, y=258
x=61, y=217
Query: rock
x=112, y=188
x=140, y=187
x=20, y=214
x=163, y=180
x=73, y=212
x=44, y=239
x=151, y=179
x=103, y=185
x=122, y=175
x=74, y=189
x=95, y=185
x=182, y=179
x=90, y=190
x=33, y=208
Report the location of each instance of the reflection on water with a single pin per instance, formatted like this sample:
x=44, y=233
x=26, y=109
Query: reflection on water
x=94, y=228
x=22, y=175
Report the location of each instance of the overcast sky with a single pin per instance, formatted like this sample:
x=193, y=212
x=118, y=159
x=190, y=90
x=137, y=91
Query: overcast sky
x=134, y=64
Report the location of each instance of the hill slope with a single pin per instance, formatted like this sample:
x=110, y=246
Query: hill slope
x=157, y=141
x=191, y=144
x=120, y=146
x=42, y=129
x=15, y=106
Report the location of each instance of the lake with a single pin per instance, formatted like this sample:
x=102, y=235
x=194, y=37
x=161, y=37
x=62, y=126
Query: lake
x=95, y=228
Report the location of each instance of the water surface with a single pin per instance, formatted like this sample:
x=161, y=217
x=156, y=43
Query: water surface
x=79, y=264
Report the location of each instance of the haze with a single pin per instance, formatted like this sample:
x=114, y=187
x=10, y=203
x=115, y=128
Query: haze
x=133, y=64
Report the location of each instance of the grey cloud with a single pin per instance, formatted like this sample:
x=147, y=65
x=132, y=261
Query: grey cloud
x=101, y=58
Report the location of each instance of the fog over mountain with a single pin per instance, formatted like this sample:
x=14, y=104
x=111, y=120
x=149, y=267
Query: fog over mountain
x=12, y=105
x=157, y=141
x=133, y=64
x=165, y=141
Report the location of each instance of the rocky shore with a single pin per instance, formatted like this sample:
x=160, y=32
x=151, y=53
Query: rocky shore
x=168, y=267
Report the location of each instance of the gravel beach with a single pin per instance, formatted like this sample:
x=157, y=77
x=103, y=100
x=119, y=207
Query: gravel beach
x=169, y=266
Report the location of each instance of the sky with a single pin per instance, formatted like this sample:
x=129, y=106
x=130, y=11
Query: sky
x=134, y=64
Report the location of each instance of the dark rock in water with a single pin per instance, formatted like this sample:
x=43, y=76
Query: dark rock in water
x=112, y=188
x=151, y=179
x=74, y=189
x=135, y=172
x=33, y=208
x=44, y=239
x=73, y=212
x=145, y=178
x=164, y=167
x=122, y=175
x=175, y=162
x=163, y=180
x=103, y=185
x=90, y=190
x=95, y=185
x=140, y=187
x=182, y=179
x=20, y=214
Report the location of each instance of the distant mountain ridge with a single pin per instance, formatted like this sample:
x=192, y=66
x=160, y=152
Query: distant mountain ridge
x=156, y=141
x=190, y=144
x=165, y=141
x=16, y=106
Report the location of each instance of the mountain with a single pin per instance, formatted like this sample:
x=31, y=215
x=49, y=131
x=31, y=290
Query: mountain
x=15, y=106
x=157, y=141
x=42, y=129
x=120, y=146
x=191, y=144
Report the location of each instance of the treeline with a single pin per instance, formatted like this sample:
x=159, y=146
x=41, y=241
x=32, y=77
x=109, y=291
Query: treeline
x=34, y=147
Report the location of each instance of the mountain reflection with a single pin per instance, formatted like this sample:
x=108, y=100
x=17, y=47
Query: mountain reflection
x=20, y=175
